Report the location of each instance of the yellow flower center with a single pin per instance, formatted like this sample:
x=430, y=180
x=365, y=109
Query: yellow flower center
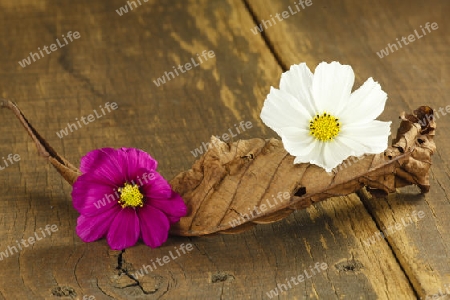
x=324, y=127
x=130, y=196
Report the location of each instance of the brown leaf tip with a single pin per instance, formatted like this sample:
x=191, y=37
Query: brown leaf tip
x=425, y=117
x=6, y=103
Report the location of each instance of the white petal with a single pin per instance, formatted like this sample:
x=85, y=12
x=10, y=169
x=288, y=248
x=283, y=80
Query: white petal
x=372, y=137
x=300, y=160
x=366, y=103
x=332, y=86
x=307, y=149
x=356, y=148
x=298, y=142
x=334, y=153
x=316, y=157
x=281, y=109
x=297, y=81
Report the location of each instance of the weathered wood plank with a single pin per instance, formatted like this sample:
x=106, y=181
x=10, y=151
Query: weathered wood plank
x=412, y=75
x=254, y=262
x=116, y=59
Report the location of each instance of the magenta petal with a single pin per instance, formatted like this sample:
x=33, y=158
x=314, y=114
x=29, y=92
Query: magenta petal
x=95, y=195
x=174, y=207
x=133, y=160
x=124, y=230
x=173, y=220
x=158, y=188
x=90, y=229
x=154, y=226
x=92, y=198
x=143, y=177
x=109, y=173
x=95, y=158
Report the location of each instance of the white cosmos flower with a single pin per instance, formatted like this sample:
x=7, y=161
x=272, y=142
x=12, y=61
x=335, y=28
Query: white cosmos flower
x=320, y=120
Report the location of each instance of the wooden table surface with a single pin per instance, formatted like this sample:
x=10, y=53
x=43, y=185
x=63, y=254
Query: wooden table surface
x=118, y=58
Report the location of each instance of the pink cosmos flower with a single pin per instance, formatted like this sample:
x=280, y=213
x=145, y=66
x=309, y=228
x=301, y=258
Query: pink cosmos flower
x=120, y=195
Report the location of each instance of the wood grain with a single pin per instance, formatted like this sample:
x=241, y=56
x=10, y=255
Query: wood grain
x=413, y=75
x=118, y=57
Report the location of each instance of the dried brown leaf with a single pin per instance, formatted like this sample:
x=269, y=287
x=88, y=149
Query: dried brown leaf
x=227, y=187
x=234, y=186
x=68, y=171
